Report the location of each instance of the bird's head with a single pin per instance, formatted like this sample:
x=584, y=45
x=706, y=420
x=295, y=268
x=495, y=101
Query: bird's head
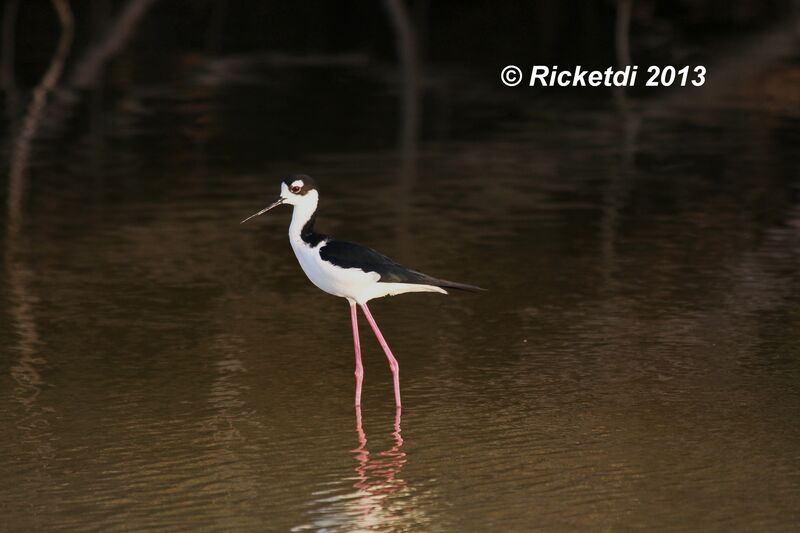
x=297, y=190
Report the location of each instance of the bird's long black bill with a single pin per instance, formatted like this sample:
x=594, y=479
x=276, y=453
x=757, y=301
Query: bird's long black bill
x=275, y=204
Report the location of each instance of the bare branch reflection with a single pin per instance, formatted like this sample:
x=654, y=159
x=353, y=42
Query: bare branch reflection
x=33, y=117
x=25, y=371
x=407, y=51
x=617, y=188
x=118, y=34
x=9, y=81
x=622, y=32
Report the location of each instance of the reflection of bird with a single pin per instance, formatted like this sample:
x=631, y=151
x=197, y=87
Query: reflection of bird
x=378, y=477
x=349, y=270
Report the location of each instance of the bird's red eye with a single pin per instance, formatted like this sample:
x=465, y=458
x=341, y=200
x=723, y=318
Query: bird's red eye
x=295, y=189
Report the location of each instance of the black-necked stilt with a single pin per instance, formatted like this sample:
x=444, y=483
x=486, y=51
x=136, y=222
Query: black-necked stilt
x=349, y=270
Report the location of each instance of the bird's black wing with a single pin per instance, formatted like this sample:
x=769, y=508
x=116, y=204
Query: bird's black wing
x=350, y=255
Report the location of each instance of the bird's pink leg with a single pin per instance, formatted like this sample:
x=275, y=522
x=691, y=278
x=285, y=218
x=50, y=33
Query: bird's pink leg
x=357, y=345
x=392, y=361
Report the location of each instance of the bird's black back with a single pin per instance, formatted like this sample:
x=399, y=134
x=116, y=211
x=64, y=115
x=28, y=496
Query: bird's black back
x=350, y=255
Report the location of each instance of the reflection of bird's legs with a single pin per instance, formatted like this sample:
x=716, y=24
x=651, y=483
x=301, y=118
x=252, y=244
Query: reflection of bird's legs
x=396, y=434
x=362, y=456
x=361, y=451
x=396, y=458
x=377, y=476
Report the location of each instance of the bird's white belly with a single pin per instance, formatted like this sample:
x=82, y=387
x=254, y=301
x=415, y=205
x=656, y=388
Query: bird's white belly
x=344, y=282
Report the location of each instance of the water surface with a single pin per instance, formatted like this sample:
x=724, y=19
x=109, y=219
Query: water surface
x=633, y=365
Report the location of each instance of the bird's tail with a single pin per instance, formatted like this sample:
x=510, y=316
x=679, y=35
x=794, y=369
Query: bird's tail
x=445, y=284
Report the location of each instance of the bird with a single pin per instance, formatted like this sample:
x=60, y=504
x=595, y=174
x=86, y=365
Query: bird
x=348, y=270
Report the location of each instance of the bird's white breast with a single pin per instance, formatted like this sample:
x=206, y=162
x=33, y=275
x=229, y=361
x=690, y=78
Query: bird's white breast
x=344, y=282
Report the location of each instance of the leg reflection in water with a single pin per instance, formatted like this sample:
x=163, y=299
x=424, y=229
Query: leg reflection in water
x=377, y=476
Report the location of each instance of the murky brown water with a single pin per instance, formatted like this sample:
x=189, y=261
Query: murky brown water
x=636, y=363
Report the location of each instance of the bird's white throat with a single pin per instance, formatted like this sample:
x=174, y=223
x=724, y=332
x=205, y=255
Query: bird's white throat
x=301, y=214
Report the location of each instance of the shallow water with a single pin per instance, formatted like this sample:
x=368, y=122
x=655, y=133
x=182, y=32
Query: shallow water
x=635, y=363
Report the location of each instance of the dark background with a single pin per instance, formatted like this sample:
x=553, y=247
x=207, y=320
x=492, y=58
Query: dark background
x=449, y=32
x=449, y=60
